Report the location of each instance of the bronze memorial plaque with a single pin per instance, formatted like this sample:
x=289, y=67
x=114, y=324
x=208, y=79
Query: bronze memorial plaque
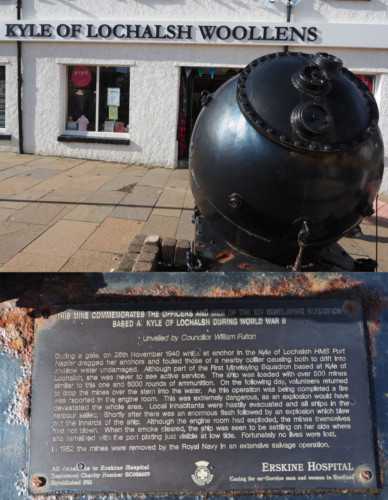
x=202, y=396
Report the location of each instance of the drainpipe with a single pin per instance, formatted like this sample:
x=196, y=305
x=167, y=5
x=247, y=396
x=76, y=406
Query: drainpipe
x=289, y=9
x=20, y=81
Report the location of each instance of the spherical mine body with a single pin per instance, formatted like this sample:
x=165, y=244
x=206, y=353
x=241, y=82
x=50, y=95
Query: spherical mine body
x=291, y=142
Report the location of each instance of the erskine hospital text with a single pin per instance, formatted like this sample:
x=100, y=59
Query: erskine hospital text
x=159, y=32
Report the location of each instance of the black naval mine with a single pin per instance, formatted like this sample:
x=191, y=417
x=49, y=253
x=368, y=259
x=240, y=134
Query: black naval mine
x=285, y=159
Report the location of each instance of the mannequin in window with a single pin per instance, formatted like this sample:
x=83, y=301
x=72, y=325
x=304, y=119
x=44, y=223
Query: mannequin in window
x=82, y=123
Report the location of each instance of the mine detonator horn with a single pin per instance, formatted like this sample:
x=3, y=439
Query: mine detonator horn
x=303, y=237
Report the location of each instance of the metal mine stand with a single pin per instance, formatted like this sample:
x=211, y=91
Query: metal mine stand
x=211, y=252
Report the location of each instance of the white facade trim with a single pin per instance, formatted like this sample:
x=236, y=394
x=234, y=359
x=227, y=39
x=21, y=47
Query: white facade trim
x=74, y=61
x=106, y=135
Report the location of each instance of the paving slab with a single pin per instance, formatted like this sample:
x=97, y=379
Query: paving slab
x=15, y=185
x=176, y=183
x=120, y=181
x=6, y=213
x=381, y=221
x=110, y=170
x=156, y=177
x=382, y=202
x=15, y=158
x=113, y=164
x=138, y=204
x=86, y=182
x=82, y=168
x=61, y=215
x=106, y=197
x=350, y=245
x=7, y=166
x=164, y=226
x=15, y=236
x=39, y=173
x=189, y=200
x=113, y=235
x=170, y=203
x=38, y=213
x=41, y=161
x=91, y=261
x=185, y=229
x=180, y=173
x=21, y=199
x=89, y=213
x=66, y=196
x=64, y=163
x=25, y=262
x=9, y=172
x=53, y=183
x=62, y=239
x=137, y=170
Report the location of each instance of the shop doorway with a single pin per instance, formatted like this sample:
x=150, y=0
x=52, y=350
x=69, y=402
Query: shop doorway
x=193, y=82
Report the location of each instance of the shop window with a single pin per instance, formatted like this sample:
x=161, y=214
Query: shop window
x=2, y=97
x=98, y=99
x=193, y=82
x=368, y=80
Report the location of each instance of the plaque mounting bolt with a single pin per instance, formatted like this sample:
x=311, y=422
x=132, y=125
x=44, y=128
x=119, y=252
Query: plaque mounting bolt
x=38, y=481
x=365, y=475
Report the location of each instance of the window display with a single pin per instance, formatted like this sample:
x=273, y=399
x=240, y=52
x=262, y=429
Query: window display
x=2, y=96
x=368, y=80
x=98, y=99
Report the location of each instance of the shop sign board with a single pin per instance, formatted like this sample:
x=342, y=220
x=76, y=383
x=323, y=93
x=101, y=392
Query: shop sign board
x=188, y=32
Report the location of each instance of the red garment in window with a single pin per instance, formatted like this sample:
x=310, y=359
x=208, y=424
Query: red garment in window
x=181, y=134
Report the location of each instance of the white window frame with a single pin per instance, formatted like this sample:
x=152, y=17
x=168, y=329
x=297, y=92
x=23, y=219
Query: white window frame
x=92, y=133
x=4, y=63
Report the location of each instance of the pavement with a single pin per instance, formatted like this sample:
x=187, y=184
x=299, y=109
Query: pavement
x=75, y=215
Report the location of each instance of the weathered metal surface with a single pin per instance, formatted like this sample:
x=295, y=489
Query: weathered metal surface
x=124, y=394
x=39, y=292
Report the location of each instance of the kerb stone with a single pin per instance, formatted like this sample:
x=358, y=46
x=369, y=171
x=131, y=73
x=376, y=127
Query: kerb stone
x=180, y=252
x=168, y=250
x=143, y=267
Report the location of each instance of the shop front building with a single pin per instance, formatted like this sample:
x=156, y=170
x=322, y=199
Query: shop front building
x=122, y=81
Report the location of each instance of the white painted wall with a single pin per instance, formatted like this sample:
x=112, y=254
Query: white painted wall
x=155, y=67
x=8, y=9
x=356, y=11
